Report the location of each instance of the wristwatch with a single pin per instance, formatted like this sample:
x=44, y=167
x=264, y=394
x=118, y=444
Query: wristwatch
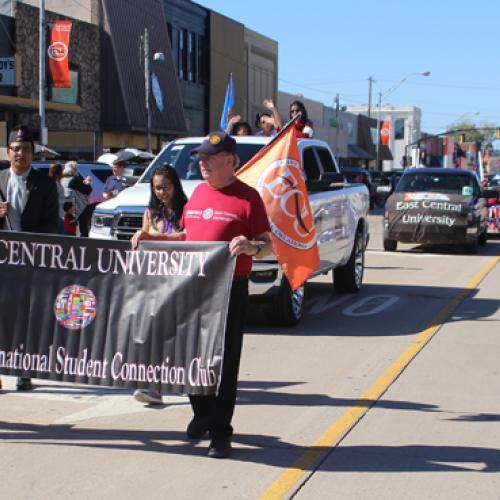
x=259, y=247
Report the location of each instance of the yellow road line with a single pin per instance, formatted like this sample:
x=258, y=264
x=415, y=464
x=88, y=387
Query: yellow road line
x=317, y=451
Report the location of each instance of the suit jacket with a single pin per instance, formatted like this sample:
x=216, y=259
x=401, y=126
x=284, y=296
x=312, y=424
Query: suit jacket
x=41, y=213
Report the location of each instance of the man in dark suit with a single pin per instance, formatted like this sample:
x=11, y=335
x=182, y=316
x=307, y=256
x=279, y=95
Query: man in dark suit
x=28, y=198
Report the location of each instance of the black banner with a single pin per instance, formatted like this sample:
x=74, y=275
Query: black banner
x=96, y=312
x=427, y=217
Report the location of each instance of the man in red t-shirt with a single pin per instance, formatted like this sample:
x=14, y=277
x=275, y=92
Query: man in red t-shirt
x=223, y=208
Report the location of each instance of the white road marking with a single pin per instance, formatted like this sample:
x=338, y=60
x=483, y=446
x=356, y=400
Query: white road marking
x=477, y=466
x=324, y=303
x=373, y=304
x=410, y=254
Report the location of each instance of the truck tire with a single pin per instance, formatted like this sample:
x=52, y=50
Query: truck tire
x=349, y=277
x=483, y=238
x=471, y=248
x=390, y=245
x=288, y=307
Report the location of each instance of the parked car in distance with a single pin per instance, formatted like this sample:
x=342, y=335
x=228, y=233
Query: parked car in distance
x=394, y=175
x=494, y=205
x=383, y=186
x=437, y=206
x=340, y=214
x=99, y=172
x=355, y=175
x=133, y=172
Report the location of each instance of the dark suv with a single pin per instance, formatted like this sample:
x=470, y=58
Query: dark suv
x=358, y=175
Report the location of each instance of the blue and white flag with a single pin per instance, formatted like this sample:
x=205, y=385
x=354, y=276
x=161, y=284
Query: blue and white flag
x=228, y=103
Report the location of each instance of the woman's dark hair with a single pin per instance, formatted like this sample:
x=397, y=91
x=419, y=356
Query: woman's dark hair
x=260, y=115
x=304, y=118
x=178, y=200
x=55, y=170
x=240, y=125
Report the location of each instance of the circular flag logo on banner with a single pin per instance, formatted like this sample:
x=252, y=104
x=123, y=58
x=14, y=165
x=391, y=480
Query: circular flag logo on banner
x=75, y=307
x=57, y=51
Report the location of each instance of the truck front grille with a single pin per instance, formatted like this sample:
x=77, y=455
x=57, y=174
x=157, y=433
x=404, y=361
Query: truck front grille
x=127, y=225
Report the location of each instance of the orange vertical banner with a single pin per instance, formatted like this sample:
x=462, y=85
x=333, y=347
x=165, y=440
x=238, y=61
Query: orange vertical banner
x=58, y=53
x=385, y=132
x=276, y=173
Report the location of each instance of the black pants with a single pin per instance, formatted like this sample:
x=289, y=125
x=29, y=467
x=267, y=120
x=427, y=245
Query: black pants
x=84, y=221
x=218, y=410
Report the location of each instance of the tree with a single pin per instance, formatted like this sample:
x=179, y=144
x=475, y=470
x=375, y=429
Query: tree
x=483, y=133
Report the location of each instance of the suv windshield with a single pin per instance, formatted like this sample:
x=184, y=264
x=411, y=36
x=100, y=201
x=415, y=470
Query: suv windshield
x=186, y=165
x=441, y=183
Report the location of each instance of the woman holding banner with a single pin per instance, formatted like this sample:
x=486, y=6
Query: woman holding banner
x=161, y=220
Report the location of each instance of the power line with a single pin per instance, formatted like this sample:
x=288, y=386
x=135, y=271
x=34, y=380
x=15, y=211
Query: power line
x=470, y=86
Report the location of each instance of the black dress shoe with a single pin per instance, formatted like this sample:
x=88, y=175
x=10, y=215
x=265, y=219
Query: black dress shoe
x=197, y=428
x=220, y=448
x=23, y=384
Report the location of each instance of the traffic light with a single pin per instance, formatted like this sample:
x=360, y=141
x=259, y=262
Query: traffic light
x=498, y=133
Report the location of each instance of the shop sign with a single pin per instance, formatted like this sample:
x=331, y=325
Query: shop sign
x=7, y=71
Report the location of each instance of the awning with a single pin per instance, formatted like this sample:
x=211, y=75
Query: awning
x=25, y=105
x=122, y=75
x=355, y=151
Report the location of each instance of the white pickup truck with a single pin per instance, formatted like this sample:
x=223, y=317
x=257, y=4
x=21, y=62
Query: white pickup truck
x=340, y=217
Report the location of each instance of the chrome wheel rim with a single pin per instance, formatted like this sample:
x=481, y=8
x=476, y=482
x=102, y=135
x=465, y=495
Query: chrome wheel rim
x=359, y=258
x=298, y=302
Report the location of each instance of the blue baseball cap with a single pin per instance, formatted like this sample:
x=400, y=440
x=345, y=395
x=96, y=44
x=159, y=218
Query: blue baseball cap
x=216, y=142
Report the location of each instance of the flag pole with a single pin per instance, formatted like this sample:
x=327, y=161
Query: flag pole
x=41, y=75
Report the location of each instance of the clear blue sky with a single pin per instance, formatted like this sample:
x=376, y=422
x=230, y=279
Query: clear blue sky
x=328, y=47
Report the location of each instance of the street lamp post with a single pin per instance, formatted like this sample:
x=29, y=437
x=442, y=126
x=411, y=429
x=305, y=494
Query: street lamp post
x=387, y=93
x=41, y=74
x=147, y=85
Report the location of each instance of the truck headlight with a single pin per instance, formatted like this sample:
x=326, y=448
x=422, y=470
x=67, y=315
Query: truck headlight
x=100, y=221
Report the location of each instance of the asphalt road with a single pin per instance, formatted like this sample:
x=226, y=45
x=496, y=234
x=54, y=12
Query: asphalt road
x=390, y=393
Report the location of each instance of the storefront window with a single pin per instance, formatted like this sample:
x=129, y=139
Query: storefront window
x=69, y=95
x=399, y=128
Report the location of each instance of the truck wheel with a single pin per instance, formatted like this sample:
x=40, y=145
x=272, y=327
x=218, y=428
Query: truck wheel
x=390, y=245
x=471, y=248
x=483, y=238
x=289, y=305
x=349, y=277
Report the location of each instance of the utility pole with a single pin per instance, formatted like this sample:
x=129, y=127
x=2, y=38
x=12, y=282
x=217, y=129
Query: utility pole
x=147, y=83
x=42, y=76
x=337, y=106
x=378, y=130
x=371, y=81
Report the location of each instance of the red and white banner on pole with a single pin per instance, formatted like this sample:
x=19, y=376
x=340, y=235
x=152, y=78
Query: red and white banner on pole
x=385, y=133
x=58, y=53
